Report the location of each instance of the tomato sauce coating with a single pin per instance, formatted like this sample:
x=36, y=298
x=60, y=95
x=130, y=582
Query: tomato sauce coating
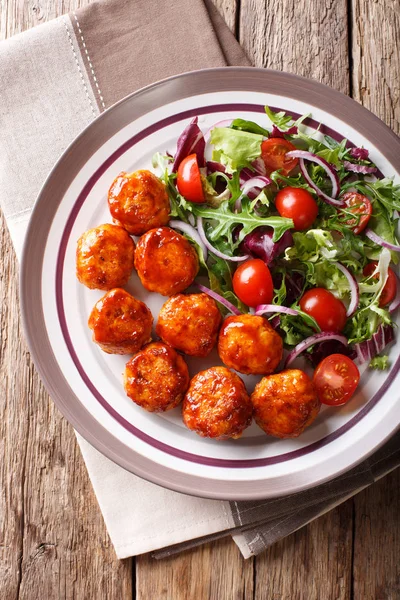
x=190, y=323
x=250, y=345
x=217, y=404
x=165, y=261
x=104, y=257
x=285, y=403
x=121, y=324
x=138, y=201
x=156, y=378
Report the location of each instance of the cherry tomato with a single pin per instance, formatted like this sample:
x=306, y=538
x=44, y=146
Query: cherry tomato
x=327, y=310
x=273, y=153
x=189, y=180
x=297, y=204
x=252, y=283
x=390, y=288
x=358, y=204
x=336, y=379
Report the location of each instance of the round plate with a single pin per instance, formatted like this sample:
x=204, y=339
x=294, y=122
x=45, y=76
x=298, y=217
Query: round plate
x=86, y=384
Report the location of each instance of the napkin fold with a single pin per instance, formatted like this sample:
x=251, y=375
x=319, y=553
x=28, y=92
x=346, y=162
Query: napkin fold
x=54, y=80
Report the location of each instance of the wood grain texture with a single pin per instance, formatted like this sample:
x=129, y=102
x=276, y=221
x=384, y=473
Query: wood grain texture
x=308, y=38
x=312, y=564
x=229, y=10
x=215, y=571
x=376, y=84
x=53, y=542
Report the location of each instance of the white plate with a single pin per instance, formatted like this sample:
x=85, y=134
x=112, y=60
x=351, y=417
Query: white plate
x=87, y=384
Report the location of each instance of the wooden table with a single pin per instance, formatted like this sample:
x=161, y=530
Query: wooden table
x=53, y=542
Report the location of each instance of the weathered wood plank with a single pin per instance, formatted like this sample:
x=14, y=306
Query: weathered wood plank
x=210, y=572
x=308, y=38
x=53, y=542
x=376, y=84
x=229, y=10
x=311, y=564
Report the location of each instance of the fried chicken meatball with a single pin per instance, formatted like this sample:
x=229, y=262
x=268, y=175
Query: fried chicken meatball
x=190, y=323
x=156, y=378
x=138, y=201
x=217, y=405
x=249, y=345
x=104, y=257
x=165, y=261
x=121, y=324
x=285, y=403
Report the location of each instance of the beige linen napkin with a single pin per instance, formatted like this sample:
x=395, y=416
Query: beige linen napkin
x=54, y=80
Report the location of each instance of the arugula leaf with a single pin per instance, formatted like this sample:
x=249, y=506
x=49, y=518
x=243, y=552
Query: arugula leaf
x=221, y=222
x=249, y=126
x=234, y=148
x=280, y=119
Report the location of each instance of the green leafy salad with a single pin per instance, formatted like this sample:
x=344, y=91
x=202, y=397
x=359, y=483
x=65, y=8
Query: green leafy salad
x=294, y=225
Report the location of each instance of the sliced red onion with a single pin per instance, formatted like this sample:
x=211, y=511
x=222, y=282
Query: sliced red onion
x=354, y=292
x=329, y=170
x=191, y=232
x=251, y=188
x=355, y=168
x=310, y=341
x=224, y=123
x=380, y=241
x=272, y=308
x=206, y=243
x=231, y=307
x=395, y=303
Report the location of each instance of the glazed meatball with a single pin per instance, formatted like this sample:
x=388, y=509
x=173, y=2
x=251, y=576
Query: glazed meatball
x=138, y=201
x=104, y=257
x=121, y=324
x=165, y=261
x=190, y=323
x=249, y=345
x=156, y=378
x=217, y=404
x=285, y=403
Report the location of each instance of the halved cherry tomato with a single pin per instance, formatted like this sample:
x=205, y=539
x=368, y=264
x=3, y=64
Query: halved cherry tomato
x=252, y=283
x=273, y=153
x=327, y=310
x=390, y=288
x=297, y=204
x=189, y=180
x=336, y=379
x=358, y=205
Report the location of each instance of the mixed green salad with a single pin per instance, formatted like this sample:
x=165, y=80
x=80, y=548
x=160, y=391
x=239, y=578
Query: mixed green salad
x=294, y=225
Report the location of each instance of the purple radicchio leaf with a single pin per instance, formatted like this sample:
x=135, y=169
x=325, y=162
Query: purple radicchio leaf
x=359, y=153
x=356, y=168
x=191, y=141
x=324, y=349
x=259, y=244
x=278, y=133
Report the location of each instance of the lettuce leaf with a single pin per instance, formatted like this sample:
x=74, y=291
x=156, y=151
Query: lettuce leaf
x=234, y=148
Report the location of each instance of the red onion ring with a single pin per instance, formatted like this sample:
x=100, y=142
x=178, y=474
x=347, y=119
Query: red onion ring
x=329, y=170
x=272, y=308
x=380, y=241
x=207, y=244
x=354, y=292
x=310, y=341
x=218, y=298
x=190, y=231
x=249, y=188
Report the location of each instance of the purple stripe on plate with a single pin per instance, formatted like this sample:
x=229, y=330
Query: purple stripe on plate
x=216, y=462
